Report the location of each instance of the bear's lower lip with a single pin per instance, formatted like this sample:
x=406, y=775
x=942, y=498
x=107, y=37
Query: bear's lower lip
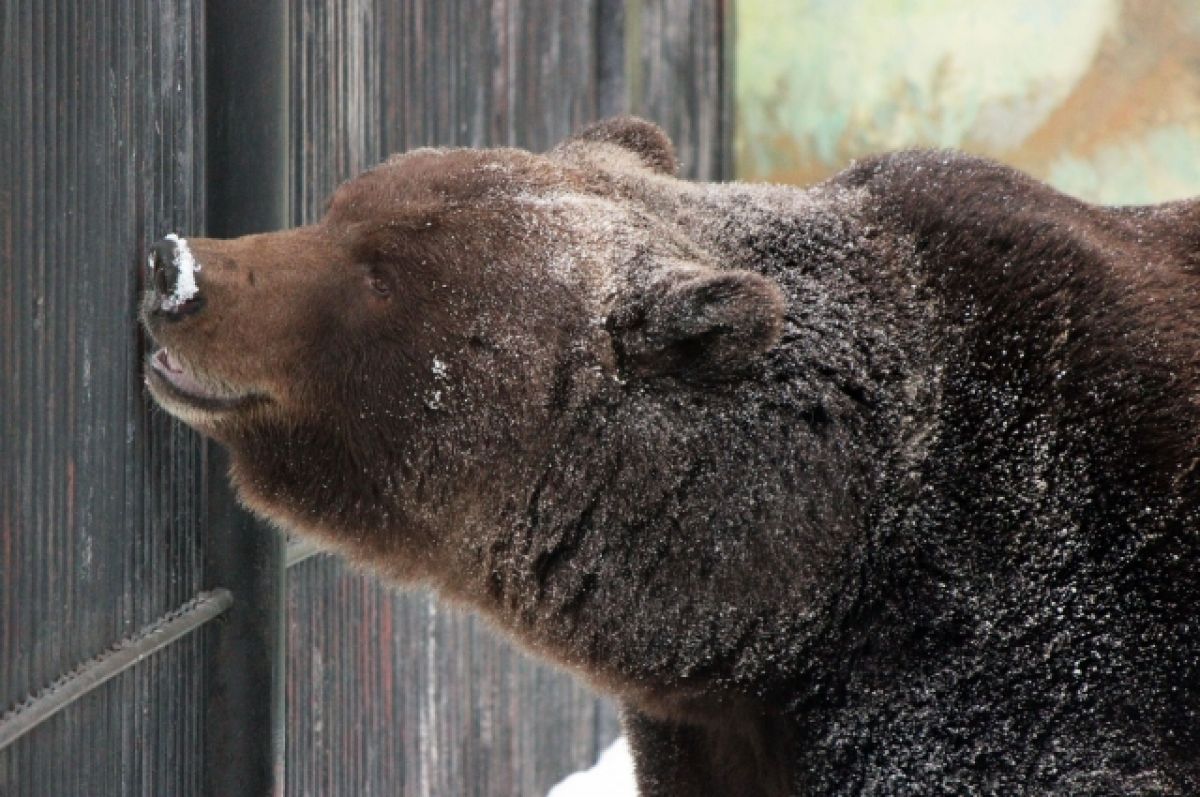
x=167, y=375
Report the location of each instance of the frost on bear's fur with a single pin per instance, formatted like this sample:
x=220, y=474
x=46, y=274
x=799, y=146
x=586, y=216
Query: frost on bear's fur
x=883, y=486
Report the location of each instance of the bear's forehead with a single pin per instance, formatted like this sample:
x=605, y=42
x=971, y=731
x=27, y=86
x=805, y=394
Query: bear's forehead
x=427, y=181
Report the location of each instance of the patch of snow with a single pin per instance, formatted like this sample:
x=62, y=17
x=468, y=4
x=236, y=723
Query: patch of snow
x=440, y=370
x=185, y=283
x=612, y=776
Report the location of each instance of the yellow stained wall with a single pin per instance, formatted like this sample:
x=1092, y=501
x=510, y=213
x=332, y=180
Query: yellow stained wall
x=1099, y=97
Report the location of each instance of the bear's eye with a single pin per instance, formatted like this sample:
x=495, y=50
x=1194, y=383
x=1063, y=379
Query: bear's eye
x=379, y=284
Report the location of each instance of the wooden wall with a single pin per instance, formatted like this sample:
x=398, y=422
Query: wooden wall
x=106, y=503
x=102, y=523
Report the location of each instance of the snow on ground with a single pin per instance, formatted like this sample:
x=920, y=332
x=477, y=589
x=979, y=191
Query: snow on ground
x=612, y=776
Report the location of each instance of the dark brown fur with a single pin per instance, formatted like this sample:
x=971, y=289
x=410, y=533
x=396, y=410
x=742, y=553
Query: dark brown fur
x=883, y=487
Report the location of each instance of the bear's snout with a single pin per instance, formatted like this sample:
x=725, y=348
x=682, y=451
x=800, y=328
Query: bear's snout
x=173, y=278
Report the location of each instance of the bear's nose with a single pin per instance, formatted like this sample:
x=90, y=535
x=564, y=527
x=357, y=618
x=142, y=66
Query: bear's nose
x=163, y=270
x=173, y=276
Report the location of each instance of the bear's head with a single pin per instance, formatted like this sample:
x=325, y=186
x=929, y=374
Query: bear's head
x=406, y=362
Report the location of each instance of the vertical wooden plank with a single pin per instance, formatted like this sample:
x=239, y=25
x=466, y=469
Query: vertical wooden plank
x=249, y=116
x=681, y=65
x=611, y=26
x=100, y=529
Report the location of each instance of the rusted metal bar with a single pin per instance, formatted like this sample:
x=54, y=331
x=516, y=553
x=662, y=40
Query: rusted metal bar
x=120, y=657
x=299, y=551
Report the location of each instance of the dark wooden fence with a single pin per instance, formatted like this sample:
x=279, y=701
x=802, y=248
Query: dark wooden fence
x=121, y=120
x=102, y=523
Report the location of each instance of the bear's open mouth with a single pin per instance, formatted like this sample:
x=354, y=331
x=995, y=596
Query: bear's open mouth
x=170, y=379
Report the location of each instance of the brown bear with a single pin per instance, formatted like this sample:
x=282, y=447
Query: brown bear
x=885, y=486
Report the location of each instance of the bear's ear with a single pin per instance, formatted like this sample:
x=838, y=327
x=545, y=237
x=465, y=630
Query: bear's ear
x=642, y=138
x=697, y=323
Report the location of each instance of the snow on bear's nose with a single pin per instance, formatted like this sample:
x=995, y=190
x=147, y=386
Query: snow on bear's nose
x=173, y=276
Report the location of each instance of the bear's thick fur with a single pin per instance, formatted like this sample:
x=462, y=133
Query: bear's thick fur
x=885, y=486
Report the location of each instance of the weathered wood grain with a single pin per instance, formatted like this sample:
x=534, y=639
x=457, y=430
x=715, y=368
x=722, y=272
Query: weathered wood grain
x=101, y=519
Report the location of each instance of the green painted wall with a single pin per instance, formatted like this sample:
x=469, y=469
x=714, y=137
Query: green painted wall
x=1099, y=97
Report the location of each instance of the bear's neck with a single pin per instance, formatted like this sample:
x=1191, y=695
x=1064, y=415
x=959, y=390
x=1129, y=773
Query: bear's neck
x=307, y=479
x=681, y=539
